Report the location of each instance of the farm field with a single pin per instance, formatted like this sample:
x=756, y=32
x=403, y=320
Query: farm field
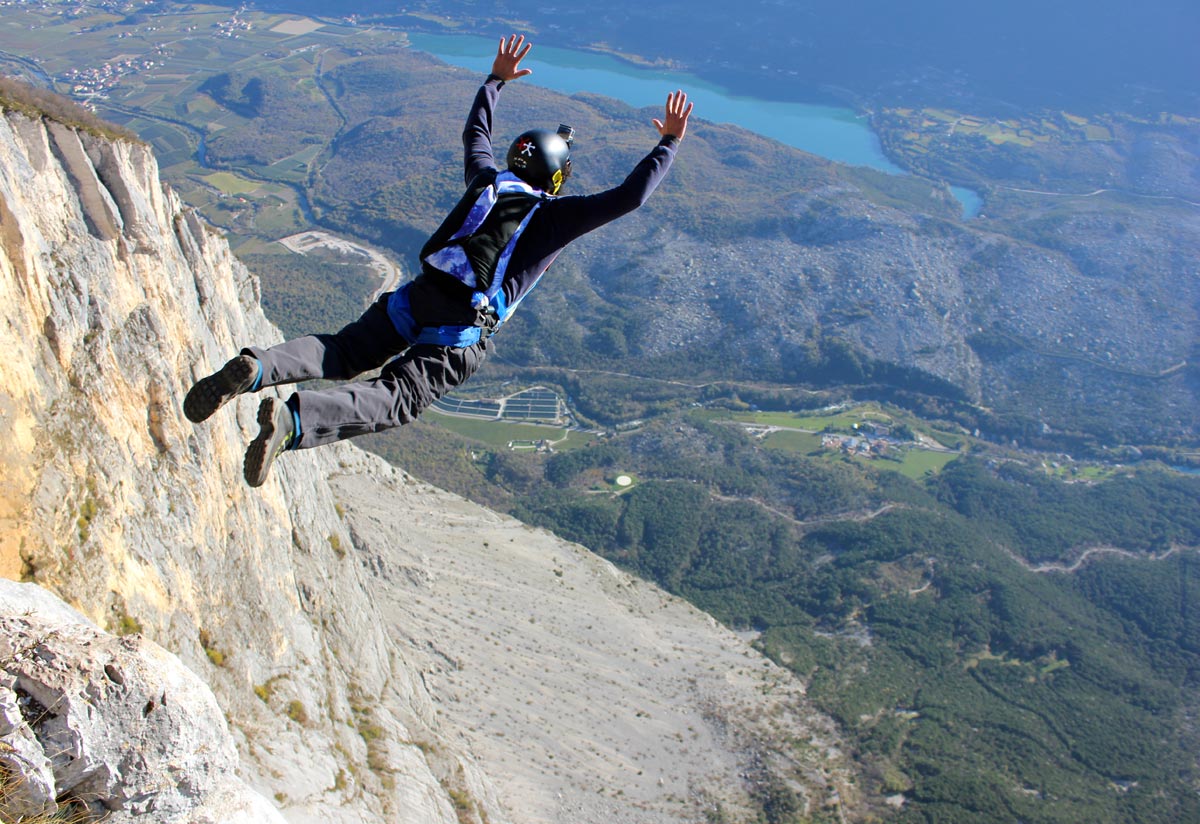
x=147, y=72
x=501, y=434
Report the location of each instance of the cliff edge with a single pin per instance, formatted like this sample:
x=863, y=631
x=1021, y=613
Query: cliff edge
x=380, y=649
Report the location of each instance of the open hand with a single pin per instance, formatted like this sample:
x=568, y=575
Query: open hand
x=676, y=118
x=506, y=66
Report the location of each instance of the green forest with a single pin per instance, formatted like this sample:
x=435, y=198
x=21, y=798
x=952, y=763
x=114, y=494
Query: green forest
x=998, y=644
x=977, y=689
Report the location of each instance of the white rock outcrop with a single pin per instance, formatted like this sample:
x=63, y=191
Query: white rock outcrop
x=116, y=725
x=381, y=650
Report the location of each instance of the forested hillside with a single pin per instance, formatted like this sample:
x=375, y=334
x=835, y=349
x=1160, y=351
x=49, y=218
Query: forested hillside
x=1002, y=645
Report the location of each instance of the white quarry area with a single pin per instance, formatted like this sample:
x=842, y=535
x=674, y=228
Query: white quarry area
x=391, y=275
x=379, y=650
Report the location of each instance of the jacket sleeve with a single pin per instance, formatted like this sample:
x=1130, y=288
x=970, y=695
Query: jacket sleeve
x=576, y=215
x=477, y=134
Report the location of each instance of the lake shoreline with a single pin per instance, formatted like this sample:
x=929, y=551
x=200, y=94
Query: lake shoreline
x=836, y=133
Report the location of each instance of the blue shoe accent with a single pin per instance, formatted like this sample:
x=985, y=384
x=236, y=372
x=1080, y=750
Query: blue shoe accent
x=295, y=444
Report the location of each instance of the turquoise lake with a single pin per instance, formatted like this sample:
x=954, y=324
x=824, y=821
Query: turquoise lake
x=827, y=131
x=835, y=133
x=831, y=132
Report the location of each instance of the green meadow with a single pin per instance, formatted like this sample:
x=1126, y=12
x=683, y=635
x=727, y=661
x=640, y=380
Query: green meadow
x=500, y=434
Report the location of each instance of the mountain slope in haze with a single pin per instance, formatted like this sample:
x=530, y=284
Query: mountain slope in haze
x=1096, y=57
x=1066, y=309
x=1062, y=317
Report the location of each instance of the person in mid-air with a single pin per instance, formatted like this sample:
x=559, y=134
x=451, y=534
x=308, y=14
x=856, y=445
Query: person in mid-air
x=432, y=333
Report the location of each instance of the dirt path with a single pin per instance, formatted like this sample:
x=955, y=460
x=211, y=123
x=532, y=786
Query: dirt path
x=811, y=523
x=1092, y=552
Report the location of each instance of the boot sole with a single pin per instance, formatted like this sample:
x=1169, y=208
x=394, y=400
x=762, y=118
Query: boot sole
x=211, y=393
x=266, y=446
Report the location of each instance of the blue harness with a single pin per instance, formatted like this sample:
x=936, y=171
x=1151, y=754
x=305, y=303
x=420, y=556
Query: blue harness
x=452, y=260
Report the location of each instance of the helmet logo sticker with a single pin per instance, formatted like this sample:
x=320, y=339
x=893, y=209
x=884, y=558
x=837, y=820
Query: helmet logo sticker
x=526, y=147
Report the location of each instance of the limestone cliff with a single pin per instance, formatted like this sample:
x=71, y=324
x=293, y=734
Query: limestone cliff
x=382, y=650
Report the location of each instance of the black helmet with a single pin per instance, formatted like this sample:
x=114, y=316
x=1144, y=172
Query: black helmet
x=541, y=158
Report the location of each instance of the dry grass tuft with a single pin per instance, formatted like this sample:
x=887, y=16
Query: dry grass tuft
x=33, y=102
x=68, y=812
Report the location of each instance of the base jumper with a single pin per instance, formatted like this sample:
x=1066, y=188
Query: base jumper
x=432, y=333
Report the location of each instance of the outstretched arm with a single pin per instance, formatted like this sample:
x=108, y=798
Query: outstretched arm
x=575, y=216
x=477, y=134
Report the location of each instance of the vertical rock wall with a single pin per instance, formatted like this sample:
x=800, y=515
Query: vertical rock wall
x=113, y=298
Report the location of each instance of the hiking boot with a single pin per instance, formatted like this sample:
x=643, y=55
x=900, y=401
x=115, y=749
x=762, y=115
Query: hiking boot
x=275, y=434
x=211, y=393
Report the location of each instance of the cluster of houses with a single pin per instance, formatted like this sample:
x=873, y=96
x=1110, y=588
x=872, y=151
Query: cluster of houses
x=234, y=25
x=855, y=444
x=96, y=81
x=869, y=440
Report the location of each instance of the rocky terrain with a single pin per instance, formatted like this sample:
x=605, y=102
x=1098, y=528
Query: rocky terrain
x=380, y=650
x=159, y=747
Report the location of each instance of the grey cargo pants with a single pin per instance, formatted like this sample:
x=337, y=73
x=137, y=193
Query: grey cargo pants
x=405, y=386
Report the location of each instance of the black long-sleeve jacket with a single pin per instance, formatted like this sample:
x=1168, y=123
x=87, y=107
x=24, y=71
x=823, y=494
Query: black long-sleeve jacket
x=438, y=299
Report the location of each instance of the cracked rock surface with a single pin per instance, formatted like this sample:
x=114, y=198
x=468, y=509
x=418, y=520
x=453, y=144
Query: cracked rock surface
x=117, y=725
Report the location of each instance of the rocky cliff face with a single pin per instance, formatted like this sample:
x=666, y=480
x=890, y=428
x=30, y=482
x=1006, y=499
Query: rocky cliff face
x=382, y=651
x=159, y=748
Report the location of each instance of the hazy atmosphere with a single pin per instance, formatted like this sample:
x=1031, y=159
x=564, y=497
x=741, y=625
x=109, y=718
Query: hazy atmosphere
x=852, y=475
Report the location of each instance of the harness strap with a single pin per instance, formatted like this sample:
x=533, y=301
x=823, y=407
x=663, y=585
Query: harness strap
x=451, y=257
x=494, y=296
x=400, y=311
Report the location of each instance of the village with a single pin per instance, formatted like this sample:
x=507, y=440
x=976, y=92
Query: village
x=95, y=83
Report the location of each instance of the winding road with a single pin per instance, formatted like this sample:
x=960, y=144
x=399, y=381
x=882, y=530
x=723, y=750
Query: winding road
x=1099, y=192
x=811, y=523
x=1092, y=552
